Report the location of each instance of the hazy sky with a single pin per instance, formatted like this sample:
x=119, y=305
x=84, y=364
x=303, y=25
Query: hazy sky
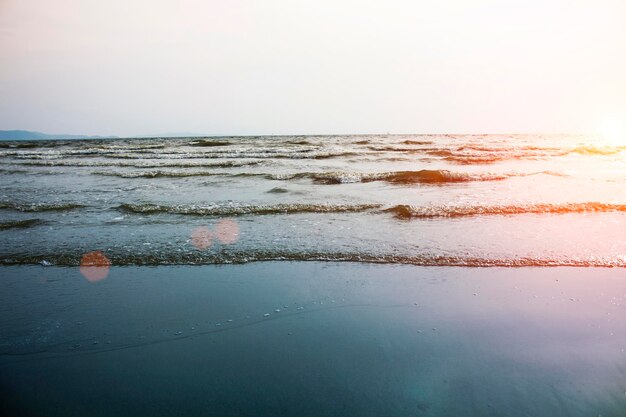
x=126, y=67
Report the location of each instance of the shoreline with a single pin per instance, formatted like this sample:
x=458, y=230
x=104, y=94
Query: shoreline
x=212, y=259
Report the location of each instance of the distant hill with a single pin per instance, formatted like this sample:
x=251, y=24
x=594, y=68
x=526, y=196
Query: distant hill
x=28, y=135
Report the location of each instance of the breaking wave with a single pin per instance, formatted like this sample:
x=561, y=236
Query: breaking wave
x=427, y=176
x=54, y=163
x=240, y=210
x=424, y=176
x=594, y=150
x=241, y=257
x=211, y=143
x=157, y=174
x=20, y=224
x=39, y=207
x=409, y=212
x=417, y=142
x=227, y=153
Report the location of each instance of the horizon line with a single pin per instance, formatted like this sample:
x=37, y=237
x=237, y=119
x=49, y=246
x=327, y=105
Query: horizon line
x=79, y=136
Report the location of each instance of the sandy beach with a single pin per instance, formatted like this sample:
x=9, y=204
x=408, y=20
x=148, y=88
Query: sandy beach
x=313, y=339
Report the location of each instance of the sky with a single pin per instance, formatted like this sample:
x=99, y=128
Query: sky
x=248, y=67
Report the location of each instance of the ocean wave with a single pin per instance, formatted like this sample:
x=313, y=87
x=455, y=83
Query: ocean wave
x=248, y=256
x=428, y=176
x=394, y=149
x=477, y=160
x=484, y=158
x=113, y=146
x=474, y=154
x=277, y=190
x=506, y=149
x=55, y=163
x=9, y=171
x=477, y=155
x=240, y=210
x=227, y=153
x=408, y=212
x=424, y=176
x=401, y=211
x=595, y=150
x=440, y=152
x=204, y=142
x=300, y=142
x=417, y=142
x=20, y=224
x=39, y=207
x=157, y=174
x=251, y=154
x=329, y=155
x=19, y=145
x=487, y=158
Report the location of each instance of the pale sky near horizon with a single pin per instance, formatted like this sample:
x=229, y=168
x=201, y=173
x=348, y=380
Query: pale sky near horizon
x=216, y=67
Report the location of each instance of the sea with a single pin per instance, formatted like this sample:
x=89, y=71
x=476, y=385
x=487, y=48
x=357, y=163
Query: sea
x=436, y=200
x=353, y=275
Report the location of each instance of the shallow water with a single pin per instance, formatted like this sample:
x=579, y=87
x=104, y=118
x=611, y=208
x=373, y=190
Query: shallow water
x=311, y=339
x=478, y=200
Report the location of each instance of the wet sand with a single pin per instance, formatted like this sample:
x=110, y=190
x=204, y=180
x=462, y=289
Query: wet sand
x=313, y=339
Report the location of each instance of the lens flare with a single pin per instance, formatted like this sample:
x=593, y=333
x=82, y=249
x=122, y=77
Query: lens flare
x=201, y=238
x=227, y=231
x=94, y=266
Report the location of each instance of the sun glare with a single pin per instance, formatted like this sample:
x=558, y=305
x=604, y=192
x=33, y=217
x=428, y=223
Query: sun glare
x=612, y=132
